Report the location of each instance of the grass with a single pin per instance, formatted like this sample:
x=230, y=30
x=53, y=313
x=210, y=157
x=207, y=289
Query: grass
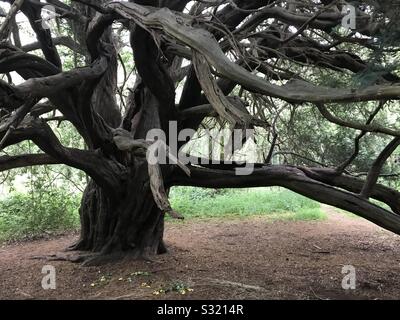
x=277, y=204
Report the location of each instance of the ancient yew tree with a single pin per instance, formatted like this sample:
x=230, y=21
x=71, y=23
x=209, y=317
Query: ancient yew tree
x=248, y=64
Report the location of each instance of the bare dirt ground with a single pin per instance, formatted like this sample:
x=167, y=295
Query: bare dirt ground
x=218, y=259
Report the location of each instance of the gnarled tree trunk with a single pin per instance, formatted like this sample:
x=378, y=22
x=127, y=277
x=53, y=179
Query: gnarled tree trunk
x=127, y=222
x=131, y=224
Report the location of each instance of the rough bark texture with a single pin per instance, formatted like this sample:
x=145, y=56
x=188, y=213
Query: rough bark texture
x=132, y=224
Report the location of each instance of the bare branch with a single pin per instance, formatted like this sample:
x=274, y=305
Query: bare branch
x=349, y=124
x=376, y=167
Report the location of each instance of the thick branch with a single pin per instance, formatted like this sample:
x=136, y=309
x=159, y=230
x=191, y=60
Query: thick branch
x=50, y=85
x=107, y=173
x=26, y=160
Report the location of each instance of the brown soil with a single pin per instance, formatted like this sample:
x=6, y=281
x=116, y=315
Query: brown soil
x=237, y=259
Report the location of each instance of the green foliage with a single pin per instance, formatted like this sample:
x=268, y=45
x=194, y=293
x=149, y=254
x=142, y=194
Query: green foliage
x=316, y=138
x=193, y=194
x=24, y=215
x=307, y=214
x=274, y=203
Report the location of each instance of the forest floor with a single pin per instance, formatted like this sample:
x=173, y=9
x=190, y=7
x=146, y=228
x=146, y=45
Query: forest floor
x=250, y=258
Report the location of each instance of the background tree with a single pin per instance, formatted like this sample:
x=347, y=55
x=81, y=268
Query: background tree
x=324, y=102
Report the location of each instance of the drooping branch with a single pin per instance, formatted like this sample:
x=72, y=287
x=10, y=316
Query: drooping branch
x=230, y=17
x=159, y=193
x=353, y=184
x=296, y=180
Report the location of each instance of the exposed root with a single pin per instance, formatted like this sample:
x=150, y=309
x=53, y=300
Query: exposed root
x=101, y=259
x=89, y=259
x=75, y=258
x=78, y=246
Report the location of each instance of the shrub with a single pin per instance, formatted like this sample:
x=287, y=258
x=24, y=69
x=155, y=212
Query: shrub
x=24, y=215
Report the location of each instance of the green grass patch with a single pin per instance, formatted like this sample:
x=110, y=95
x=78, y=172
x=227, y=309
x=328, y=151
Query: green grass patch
x=309, y=214
x=277, y=204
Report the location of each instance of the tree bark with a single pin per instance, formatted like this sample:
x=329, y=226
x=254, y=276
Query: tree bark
x=129, y=225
